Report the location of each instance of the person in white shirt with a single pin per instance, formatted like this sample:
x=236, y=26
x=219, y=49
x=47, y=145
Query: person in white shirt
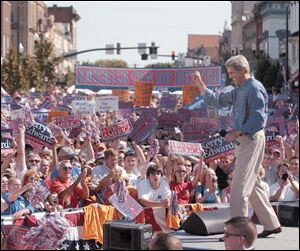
x=270, y=170
x=155, y=192
x=103, y=176
x=286, y=188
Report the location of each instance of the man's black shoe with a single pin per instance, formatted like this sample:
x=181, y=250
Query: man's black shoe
x=266, y=233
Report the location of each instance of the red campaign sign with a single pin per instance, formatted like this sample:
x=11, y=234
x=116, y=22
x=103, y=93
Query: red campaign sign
x=185, y=148
x=13, y=235
x=117, y=130
x=216, y=147
x=207, y=122
x=68, y=122
x=97, y=77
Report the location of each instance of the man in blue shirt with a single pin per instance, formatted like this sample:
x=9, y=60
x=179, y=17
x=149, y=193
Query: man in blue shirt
x=250, y=101
x=18, y=206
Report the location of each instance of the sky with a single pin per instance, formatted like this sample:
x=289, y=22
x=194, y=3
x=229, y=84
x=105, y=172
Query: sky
x=130, y=22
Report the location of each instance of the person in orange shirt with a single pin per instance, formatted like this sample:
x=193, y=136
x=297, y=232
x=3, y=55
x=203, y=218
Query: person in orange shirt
x=69, y=193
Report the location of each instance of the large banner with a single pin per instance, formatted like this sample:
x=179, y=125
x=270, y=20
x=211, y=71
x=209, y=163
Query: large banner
x=116, y=78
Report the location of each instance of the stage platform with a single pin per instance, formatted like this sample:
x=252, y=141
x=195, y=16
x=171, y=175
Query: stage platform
x=288, y=239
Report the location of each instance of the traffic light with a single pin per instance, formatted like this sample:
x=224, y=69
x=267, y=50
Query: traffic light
x=119, y=48
x=144, y=56
x=152, y=49
x=173, y=55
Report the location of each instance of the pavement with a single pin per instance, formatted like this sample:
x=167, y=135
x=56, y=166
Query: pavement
x=288, y=239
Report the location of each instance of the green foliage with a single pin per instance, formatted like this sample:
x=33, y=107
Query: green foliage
x=111, y=63
x=269, y=73
x=11, y=73
x=46, y=60
x=159, y=65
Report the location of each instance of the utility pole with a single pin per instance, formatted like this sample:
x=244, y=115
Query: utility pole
x=287, y=45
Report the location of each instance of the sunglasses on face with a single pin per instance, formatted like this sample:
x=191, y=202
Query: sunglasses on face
x=34, y=160
x=67, y=168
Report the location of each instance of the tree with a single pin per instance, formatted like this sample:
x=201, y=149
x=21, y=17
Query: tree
x=31, y=76
x=111, y=63
x=269, y=73
x=11, y=73
x=46, y=60
x=159, y=65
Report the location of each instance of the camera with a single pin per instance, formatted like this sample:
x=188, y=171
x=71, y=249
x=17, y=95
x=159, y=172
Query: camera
x=285, y=176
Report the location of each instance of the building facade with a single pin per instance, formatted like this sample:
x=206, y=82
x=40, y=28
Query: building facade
x=241, y=12
x=5, y=28
x=63, y=34
x=28, y=19
x=294, y=42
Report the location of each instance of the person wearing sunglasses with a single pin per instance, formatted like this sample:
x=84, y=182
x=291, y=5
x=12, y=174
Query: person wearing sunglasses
x=69, y=192
x=240, y=233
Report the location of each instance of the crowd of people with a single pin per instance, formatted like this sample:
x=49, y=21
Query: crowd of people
x=82, y=170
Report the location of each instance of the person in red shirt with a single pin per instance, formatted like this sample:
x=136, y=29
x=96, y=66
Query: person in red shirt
x=69, y=193
x=176, y=175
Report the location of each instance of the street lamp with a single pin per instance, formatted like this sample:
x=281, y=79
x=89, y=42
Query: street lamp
x=20, y=52
x=253, y=48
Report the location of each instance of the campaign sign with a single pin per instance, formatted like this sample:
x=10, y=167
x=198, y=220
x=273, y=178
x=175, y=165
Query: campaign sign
x=76, y=131
x=143, y=128
x=83, y=107
x=124, y=113
x=216, y=147
x=207, y=122
x=130, y=208
x=39, y=134
x=198, y=103
x=68, y=122
x=125, y=105
x=168, y=102
x=106, y=103
x=185, y=148
x=270, y=134
x=14, y=235
x=225, y=122
x=46, y=104
x=171, y=119
x=6, y=141
x=37, y=194
x=63, y=108
x=146, y=111
x=117, y=130
x=142, y=93
x=195, y=133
